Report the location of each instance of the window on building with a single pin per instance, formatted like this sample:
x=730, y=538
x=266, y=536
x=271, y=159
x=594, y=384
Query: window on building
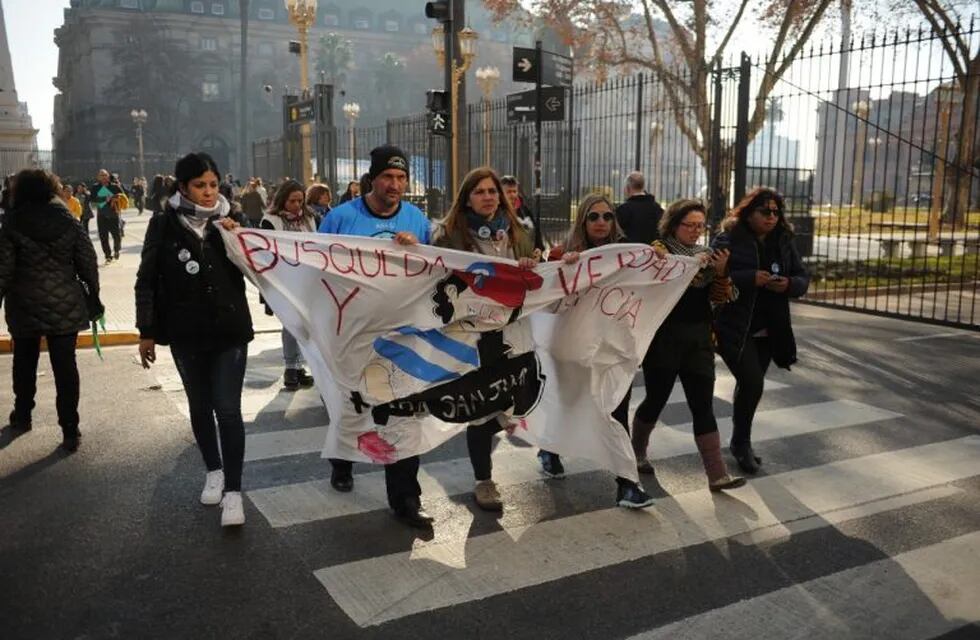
x=218, y=9
x=266, y=13
x=362, y=23
x=209, y=44
x=210, y=89
x=197, y=7
x=391, y=26
x=331, y=20
x=129, y=4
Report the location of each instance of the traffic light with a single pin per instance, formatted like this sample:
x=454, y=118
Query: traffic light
x=437, y=102
x=440, y=10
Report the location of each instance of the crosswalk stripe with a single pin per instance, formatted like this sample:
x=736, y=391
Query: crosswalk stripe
x=291, y=504
x=914, y=595
x=288, y=442
x=429, y=577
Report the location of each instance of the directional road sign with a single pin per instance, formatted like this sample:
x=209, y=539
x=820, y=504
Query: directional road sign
x=521, y=106
x=301, y=112
x=556, y=69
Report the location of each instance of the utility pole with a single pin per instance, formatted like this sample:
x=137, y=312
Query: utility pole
x=243, y=93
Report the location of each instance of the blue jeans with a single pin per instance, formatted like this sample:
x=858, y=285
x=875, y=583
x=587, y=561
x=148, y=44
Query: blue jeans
x=292, y=357
x=213, y=381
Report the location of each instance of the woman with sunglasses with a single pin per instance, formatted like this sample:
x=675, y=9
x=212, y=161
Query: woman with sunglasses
x=755, y=329
x=482, y=221
x=682, y=347
x=596, y=226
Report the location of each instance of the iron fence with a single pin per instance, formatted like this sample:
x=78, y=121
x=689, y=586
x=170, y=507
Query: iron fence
x=873, y=142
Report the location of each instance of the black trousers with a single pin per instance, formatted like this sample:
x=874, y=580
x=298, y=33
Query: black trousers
x=109, y=225
x=750, y=375
x=680, y=351
x=213, y=381
x=479, y=443
x=61, y=350
x=401, y=479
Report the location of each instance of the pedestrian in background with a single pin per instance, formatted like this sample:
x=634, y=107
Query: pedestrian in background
x=253, y=205
x=190, y=296
x=518, y=202
x=49, y=284
x=71, y=202
x=682, y=347
x=756, y=329
x=104, y=194
x=81, y=192
x=640, y=215
x=138, y=192
x=318, y=198
x=290, y=213
x=353, y=191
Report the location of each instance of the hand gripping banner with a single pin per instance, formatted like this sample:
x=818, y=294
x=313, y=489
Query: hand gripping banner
x=409, y=345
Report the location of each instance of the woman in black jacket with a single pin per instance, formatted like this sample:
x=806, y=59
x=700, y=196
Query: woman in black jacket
x=191, y=296
x=755, y=330
x=49, y=283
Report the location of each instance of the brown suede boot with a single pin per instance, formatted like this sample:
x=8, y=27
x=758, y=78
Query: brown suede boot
x=641, y=441
x=709, y=446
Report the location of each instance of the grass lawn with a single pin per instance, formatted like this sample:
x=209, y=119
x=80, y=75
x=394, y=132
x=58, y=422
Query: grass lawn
x=890, y=272
x=843, y=221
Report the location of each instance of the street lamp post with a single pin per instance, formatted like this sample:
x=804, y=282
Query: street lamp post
x=352, y=110
x=139, y=119
x=466, y=38
x=487, y=78
x=302, y=13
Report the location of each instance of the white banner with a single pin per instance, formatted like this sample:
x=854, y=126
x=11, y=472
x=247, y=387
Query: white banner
x=408, y=345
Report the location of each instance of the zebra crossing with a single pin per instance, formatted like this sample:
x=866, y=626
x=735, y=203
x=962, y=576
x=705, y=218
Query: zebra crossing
x=832, y=464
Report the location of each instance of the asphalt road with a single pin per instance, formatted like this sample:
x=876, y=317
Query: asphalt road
x=864, y=524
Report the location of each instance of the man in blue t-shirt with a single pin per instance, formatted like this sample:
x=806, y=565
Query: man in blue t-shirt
x=381, y=213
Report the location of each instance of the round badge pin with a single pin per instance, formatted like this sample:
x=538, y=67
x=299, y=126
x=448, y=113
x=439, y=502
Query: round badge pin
x=484, y=233
x=775, y=268
x=183, y=255
x=192, y=267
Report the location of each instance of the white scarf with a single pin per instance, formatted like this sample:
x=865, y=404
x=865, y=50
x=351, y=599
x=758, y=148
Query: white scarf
x=194, y=216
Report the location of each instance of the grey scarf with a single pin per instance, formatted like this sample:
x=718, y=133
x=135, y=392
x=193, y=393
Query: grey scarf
x=194, y=216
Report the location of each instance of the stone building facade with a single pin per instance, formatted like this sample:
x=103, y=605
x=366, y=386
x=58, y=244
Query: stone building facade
x=179, y=60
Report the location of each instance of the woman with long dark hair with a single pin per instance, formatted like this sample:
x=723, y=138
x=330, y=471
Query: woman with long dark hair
x=756, y=329
x=191, y=296
x=353, y=191
x=290, y=213
x=49, y=284
x=482, y=221
x=596, y=226
x=682, y=347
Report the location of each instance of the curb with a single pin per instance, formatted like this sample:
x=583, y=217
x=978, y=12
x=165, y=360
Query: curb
x=110, y=339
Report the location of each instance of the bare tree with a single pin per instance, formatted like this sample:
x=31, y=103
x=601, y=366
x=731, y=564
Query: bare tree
x=680, y=43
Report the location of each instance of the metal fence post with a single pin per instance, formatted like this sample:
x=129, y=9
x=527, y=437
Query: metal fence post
x=714, y=172
x=742, y=128
x=639, y=122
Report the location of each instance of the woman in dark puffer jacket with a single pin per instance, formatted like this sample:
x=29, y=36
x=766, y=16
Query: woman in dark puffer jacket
x=49, y=283
x=755, y=329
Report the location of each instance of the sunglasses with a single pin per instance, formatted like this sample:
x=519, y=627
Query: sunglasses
x=768, y=213
x=593, y=216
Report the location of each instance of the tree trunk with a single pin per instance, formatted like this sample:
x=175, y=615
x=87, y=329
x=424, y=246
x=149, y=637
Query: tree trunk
x=960, y=179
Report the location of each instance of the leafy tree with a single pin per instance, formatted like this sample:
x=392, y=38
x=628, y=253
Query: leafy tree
x=680, y=43
x=389, y=81
x=334, y=57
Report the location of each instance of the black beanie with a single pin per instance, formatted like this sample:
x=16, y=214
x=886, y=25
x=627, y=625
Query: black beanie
x=387, y=157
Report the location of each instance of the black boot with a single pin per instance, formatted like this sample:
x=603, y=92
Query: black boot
x=19, y=424
x=305, y=379
x=746, y=458
x=71, y=439
x=290, y=379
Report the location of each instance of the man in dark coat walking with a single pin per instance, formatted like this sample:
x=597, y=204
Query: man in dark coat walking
x=639, y=216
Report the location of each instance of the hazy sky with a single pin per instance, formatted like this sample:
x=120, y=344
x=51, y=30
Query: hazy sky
x=30, y=32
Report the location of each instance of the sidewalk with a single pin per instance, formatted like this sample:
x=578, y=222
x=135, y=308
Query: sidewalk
x=116, y=282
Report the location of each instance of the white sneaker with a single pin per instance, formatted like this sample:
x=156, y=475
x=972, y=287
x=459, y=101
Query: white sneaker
x=214, y=486
x=232, y=512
